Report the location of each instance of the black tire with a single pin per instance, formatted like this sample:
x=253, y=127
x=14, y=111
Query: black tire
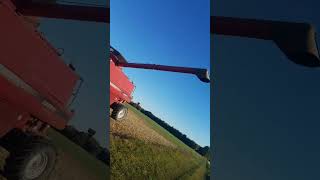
x=119, y=112
x=32, y=150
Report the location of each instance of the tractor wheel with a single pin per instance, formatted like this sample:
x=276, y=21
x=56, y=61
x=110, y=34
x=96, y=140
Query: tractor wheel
x=33, y=159
x=119, y=112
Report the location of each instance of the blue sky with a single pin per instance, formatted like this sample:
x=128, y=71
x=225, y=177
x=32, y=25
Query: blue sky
x=170, y=33
x=266, y=109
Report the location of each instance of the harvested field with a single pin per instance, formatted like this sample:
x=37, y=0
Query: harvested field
x=141, y=149
x=135, y=127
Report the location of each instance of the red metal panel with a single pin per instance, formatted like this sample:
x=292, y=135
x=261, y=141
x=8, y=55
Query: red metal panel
x=118, y=96
x=120, y=85
x=8, y=117
x=21, y=101
x=113, y=97
x=30, y=57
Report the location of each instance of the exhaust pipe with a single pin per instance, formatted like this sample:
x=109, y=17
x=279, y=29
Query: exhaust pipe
x=296, y=40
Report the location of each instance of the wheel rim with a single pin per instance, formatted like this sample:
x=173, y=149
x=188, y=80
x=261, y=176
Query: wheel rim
x=36, y=166
x=121, y=113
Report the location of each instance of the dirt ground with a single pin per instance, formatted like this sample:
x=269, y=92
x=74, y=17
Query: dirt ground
x=69, y=169
x=134, y=127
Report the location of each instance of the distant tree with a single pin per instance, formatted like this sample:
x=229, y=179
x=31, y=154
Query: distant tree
x=138, y=106
x=104, y=156
x=91, y=132
x=172, y=130
x=204, y=151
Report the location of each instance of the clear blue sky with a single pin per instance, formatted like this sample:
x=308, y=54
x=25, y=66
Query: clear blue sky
x=170, y=33
x=266, y=109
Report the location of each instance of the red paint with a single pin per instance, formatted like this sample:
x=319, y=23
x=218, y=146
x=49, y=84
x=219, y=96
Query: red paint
x=22, y=102
x=37, y=66
x=34, y=60
x=120, y=86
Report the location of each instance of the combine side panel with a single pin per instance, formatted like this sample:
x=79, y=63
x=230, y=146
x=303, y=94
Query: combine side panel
x=16, y=101
x=25, y=53
x=120, y=86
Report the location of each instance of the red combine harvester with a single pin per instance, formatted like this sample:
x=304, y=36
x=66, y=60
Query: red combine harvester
x=36, y=86
x=121, y=87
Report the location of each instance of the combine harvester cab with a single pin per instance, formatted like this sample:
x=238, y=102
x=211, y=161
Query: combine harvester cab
x=121, y=88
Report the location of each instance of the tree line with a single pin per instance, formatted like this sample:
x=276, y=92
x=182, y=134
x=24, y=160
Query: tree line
x=204, y=151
